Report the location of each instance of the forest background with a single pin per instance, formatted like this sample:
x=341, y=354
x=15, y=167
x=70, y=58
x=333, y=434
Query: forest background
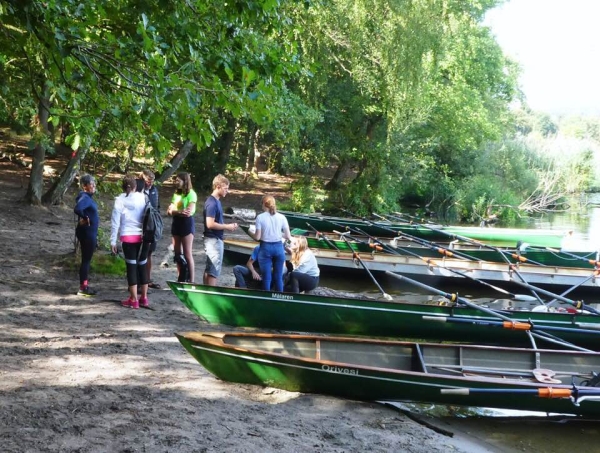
x=374, y=105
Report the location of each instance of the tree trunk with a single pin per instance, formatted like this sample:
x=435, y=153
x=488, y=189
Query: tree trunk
x=175, y=163
x=256, y=151
x=362, y=166
x=336, y=181
x=224, y=144
x=36, y=178
x=56, y=193
x=250, y=149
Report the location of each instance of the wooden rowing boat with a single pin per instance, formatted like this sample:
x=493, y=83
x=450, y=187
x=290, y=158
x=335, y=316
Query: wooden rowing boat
x=498, y=236
x=374, y=370
x=376, y=318
x=334, y=261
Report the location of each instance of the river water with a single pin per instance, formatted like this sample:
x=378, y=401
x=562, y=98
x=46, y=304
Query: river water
x=583, y=219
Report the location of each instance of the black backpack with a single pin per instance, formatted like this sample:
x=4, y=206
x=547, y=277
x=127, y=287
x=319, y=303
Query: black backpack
x=152, y=225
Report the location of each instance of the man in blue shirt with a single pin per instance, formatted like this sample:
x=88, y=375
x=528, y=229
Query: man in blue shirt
x=214, y=225
x=249, y=276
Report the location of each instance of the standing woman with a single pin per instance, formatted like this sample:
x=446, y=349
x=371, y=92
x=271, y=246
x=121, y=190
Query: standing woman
x=271, y=227
x=127, y=220
x=305, y=276
x=183, y=208
x=86, y=230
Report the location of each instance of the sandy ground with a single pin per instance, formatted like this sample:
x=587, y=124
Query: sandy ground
x=87, y=375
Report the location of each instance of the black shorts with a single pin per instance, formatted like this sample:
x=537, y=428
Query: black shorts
x=182, y=226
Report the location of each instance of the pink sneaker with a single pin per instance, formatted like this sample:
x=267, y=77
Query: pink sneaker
x=131, y=303
x=144, y=302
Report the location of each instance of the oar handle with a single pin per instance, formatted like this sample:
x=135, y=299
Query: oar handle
x=545, y=392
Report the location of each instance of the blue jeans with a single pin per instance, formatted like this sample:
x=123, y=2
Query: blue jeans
x=270, y=259
x=244, y=279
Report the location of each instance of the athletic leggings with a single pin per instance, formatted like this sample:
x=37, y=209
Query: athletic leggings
x=136, y=262
x=88, y=246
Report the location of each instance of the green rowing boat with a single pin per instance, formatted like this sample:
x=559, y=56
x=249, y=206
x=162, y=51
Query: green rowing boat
x=374, y=370
x=375, y=318
x=498, y=236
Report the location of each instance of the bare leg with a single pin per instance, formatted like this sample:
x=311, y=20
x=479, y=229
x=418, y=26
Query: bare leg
x=133, y=291
x=177, y=251
x=149, y=266
x=186, y=243
x=209, y=280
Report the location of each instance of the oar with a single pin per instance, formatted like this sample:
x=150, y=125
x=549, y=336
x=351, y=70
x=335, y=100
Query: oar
x=543, y=375
x=491, y=247
x=504, y=253
x=510, y=325
x=438, y=248
x=454, y=298
x=330, y=243
x=357, y=256
x=424, y=242
x=575, y=394
x=413, y=218
x=580, y=305
x=574, y=287
x=594, y=263
x=394, y=250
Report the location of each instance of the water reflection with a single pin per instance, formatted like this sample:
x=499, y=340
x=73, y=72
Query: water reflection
x=583, y=219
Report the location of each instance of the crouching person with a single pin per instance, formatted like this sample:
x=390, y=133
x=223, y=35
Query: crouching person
x=305, y=275
x=249, y=275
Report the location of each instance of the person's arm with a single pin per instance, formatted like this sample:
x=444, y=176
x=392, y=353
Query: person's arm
x=172, y=209
x=250, y=266
x=82, y=204
x=286, y=230
x=211, y=224
x=254, y=233
x=115, y=222
x=187, y=212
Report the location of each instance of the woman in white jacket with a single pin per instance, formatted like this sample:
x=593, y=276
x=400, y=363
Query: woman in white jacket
x=126, y=224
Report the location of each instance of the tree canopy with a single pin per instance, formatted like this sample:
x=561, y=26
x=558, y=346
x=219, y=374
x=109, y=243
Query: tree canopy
x=401, y=98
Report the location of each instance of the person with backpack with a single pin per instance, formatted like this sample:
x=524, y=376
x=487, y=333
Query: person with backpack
x=86, y=230
x=127, y=224
x=151, y=192
x=182, y=209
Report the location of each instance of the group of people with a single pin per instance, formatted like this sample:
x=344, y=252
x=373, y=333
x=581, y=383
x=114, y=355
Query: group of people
x=271, y=230
x=127, y=218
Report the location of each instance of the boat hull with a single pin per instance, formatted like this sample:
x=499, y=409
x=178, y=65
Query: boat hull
x=393, y=371
x=374, y=318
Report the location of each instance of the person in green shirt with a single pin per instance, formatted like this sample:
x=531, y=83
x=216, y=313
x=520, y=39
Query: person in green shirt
x=182, y=209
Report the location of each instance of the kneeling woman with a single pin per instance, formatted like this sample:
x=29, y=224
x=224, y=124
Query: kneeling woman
x=127, y=218
x=305, y=276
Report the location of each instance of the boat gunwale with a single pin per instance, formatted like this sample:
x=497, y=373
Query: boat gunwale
x=388, y=305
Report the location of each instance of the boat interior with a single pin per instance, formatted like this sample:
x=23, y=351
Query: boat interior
x=527, y=365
